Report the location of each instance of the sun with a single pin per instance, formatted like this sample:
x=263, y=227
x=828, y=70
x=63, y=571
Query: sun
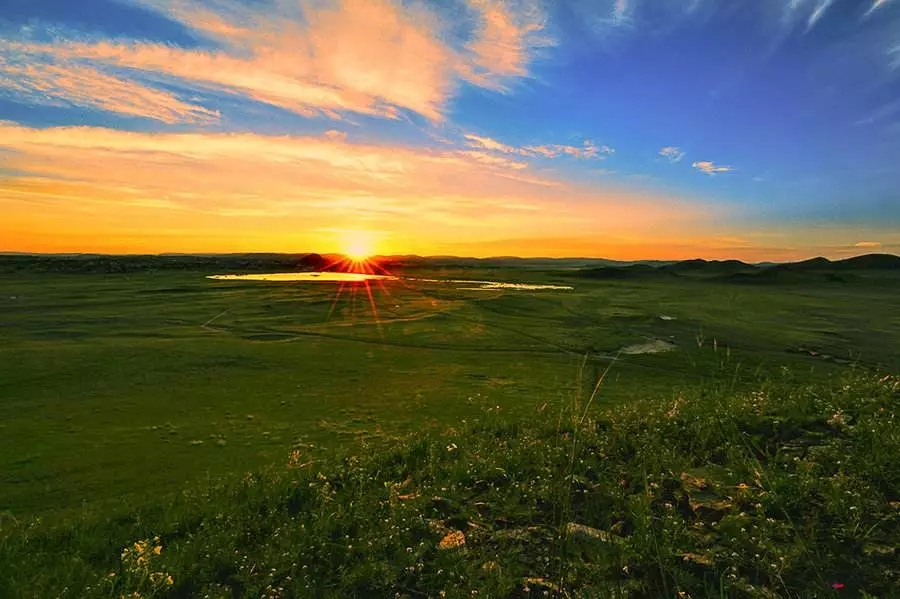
x=358, y=246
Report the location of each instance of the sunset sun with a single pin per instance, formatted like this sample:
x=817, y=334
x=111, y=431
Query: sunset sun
x=358, y=246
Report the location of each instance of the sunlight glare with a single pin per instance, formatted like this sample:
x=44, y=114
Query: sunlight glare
x=358, y=246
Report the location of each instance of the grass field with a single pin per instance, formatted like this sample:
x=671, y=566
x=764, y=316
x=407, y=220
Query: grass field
x=120, y=391
x=118, y=385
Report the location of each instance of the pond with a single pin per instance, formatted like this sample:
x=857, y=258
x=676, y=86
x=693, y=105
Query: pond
x=353, y=277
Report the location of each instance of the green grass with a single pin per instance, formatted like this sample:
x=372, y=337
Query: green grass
x=223, y=377
x=165, y=404
x=789, y=490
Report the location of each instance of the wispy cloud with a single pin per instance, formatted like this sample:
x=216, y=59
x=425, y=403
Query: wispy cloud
x=867, y=244
x=35, y=77
x=817, y=13
x=620, y=11
x=875, y=6
x=586, y=150
x=710, y=168
x=880, y=113
x=894, y=55
x=506, y=37
x=487, y=143
x=672, y=153
x=312, y=57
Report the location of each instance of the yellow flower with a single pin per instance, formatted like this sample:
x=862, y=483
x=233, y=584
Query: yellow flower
x=169, y=580
x=157, y=550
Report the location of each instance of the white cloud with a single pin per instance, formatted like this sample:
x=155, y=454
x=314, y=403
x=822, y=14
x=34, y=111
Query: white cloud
x=818, y=13
x=620, y=11
x=867, y=244
x=586, y=150
x=710, y=168
x=33, y=75
x=881, y=113
x=875, y=6
x=672, y=153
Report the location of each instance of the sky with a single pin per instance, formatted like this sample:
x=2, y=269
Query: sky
x=625, y=129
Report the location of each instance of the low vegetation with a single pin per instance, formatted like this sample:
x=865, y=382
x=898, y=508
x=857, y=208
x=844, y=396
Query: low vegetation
x=789, y=490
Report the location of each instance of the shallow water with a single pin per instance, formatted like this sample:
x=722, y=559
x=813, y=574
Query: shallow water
x=489, y=285
x=299, y=277
x=352, y=277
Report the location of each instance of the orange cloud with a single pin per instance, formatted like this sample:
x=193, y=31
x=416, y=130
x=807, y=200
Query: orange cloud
x=370, y=57
x=711, y=168
x=506, y=38
x=277, y=191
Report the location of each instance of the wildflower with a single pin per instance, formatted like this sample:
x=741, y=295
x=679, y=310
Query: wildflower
x=837, y=586
x=837, y=419
x=453, y=540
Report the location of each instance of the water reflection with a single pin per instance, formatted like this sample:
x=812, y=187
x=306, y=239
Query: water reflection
x=495, y=285
x=354, y=277
x=323, y=277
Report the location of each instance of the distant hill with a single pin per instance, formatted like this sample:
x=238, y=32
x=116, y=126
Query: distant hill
x=699, y=266
x=622, y=272
x=869, y=262
x=98, y=263
x=815, y=270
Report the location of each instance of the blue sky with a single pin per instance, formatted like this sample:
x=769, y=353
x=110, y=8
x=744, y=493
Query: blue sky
x=624, y=128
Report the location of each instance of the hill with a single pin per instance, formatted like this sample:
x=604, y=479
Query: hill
x=815, y=270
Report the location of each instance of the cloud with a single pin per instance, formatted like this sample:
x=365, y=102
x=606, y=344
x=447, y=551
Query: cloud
x=672, y=153
x=489, y=144
x=867, y=244
x=494, y=160
x=333, y=135
x=266, y=190
x=312, y=57
x=817, y=13
x=875, y=6
x=710, y=168
x=505, y=41
x=620, y=11
x=28, y=75
x=587, y=150
x=882, y=112
x=894, y=54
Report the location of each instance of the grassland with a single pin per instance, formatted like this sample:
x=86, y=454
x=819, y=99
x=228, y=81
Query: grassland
x=122, y=392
